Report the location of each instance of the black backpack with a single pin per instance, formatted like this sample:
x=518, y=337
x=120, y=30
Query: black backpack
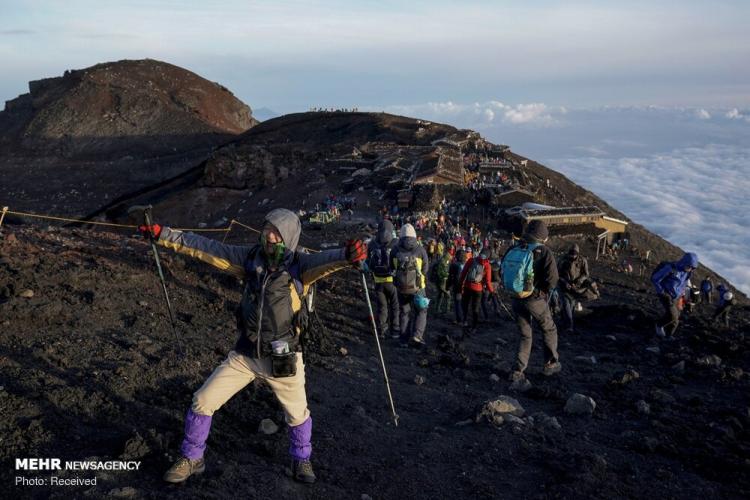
x=379, y=257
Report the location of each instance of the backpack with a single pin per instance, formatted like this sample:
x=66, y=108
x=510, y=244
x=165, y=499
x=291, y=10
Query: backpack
x=443, y=269
x=659, y=267
x=476, y=273
x=518, y=270
x=379, y=261
x=408, y=277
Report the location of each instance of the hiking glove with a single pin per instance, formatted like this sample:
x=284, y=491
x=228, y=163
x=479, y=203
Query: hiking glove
x=356, y=251
x=154, y=229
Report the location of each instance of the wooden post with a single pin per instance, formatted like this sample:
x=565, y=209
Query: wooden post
x=2, y=216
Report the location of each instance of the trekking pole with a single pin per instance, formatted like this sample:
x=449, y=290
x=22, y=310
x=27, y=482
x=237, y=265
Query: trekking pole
x=380, y=352
x=512, y=317
x=147, y=217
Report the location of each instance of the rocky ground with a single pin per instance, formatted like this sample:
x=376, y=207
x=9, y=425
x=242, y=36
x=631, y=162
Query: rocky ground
x=88, y=368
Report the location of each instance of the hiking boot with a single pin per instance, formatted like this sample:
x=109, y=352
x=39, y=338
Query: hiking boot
x=302, y=471
x=516, y=376
x=183, y=469
x=551, y=367
x=416, y=342
x=396, y=335
x=660, y=332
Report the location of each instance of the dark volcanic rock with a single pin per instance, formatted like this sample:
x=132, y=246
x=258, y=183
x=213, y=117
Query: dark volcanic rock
x=131, y=107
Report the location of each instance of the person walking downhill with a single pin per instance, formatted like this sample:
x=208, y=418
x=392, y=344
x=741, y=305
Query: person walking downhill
x=722, y=312
x=277, y=277
x=410, y=264
x=475, y=276
x=442, y=272
x=529, y=274
x=573, y=271
x=706, y=289
x=670, y=280
x=379, y=263
x=454, y=285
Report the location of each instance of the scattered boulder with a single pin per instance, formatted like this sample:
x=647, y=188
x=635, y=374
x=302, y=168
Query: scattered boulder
x=126, y=492
x=653, y=349
x=586, y=359
x=494, y=378
x=419, y=380
x=711, y=360
x=361, y=172
x=267, y=426
x=495, y=411
x=521, y=385
x=679, y=367
x=343, y=351
x=625, y=378
x=26, y=294
x=662, y=397
x=543, y=421
x=580, y=404
x=643, y=407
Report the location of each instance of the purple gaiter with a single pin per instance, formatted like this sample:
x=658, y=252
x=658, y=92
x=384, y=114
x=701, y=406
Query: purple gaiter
x=299, y=440
x=196, y=433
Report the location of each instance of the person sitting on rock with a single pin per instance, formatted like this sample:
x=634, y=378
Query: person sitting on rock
x=670, y=280
x=276, y=277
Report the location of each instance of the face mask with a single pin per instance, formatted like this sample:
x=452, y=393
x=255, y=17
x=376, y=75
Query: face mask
x=277, y=254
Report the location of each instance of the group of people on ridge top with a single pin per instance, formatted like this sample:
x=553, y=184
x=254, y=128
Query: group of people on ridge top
x=277, y=275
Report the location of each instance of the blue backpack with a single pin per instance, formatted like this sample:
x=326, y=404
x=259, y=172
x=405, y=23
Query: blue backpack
x=518, y=270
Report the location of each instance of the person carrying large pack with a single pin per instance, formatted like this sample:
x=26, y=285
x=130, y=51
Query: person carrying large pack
x=475, y=277
x=529, y=274
x=410, y=264
x=670, y=279
x=276, y=277
x=379, y=264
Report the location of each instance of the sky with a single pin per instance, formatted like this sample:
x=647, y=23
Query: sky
x=630, y=99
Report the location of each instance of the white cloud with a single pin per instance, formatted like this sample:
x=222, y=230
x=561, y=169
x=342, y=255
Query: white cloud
x=733, y=114
x=693, y=197
x=479, y=115
x=703, y=114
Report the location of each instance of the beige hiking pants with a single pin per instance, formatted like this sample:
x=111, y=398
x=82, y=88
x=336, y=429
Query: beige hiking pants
x=237, y=371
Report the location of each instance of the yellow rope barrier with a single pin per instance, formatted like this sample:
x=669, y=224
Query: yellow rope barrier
x=109, y=224
x=225, y=230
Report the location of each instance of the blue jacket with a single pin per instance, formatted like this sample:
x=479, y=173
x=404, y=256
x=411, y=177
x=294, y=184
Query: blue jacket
x=721, y=289
x=706, y=286
x=672, y=279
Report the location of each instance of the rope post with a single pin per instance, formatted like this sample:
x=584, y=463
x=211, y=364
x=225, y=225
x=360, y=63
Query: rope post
x=231, y=223
x=2, y=216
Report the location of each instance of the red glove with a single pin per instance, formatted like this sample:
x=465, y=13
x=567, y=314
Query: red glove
x=154, y=229
x=356, y=251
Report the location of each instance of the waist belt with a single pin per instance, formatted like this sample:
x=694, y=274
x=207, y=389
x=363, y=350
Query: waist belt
x=383, y=279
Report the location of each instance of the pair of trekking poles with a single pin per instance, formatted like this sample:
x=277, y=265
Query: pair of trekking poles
x=146, y=211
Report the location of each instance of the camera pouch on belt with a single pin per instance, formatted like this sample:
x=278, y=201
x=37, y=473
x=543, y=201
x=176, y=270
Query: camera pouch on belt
x=284, y=365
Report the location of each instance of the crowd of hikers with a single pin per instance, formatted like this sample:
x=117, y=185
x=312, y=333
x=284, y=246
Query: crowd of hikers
x=475, y=275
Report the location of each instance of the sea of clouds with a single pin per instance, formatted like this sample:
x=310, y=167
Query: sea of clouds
x=684, y=173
